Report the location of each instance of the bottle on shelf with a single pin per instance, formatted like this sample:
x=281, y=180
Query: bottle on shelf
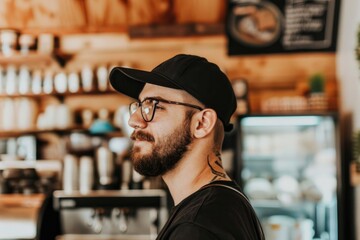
x=24, y=79
x=87, y=78
x=73, y=82
x=102, y=78
x=36, y=82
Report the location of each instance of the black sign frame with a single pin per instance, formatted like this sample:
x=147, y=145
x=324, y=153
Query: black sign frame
x=281, y=26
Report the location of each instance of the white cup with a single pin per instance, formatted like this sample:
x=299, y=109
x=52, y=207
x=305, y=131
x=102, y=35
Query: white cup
x=303, y=229
x=105, y=165
x=24, y=80
x=87, y=78
x=27, y=111
x=41, y=122
x=86, y=178
x=73, y=82
x=64, y=116
x=50, y=115
x=2, y=81
x=26, y=41
x=48, y=82
x=60, y=82
x=8, y=115
x=279, y=227
x=70, y=174
x=36, y=84
x=45, y=43
x=102, y=78
x=8, y=41
x=11, y=80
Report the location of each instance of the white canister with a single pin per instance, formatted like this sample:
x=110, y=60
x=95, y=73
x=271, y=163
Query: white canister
x=279, y=227
x=74, y=82
x=45, y=43
x=126, y=171
x=303, y=229
x=2, y=81
x=26, y=116
x=36, y=82
x=105, y=165
x=64, y=116
x=8, y=41
x=24, y=80
x=41, y=122
x=50, y=116
x=26, y=42
x=61, y=82
x=86, y=178
x=48, y=86
x=87, y=78
x=102, y=78
x=11, y=80
x=8, y=115
x=70, y=173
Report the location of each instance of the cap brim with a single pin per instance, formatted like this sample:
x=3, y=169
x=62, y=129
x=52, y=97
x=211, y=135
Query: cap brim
x=131, y=81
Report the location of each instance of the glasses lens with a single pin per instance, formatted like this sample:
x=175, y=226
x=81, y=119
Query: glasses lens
x=133, y=107
x=147, y=109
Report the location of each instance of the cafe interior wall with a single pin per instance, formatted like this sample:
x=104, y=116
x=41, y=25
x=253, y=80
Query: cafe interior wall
x=348, y=74
x=267, y=74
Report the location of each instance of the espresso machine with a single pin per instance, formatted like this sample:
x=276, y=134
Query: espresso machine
x=111, y=214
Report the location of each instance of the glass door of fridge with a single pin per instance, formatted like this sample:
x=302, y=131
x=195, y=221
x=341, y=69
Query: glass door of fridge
x=288, y=168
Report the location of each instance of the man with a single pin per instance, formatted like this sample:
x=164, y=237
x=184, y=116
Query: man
x=183, y=107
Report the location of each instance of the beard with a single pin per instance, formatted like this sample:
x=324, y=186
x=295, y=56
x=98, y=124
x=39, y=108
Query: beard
x=165, y=154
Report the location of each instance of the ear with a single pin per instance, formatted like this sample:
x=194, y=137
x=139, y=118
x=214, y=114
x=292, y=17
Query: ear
x=204, y=122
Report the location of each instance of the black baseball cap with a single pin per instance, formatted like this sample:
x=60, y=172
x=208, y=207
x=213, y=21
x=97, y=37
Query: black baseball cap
x=197, y=76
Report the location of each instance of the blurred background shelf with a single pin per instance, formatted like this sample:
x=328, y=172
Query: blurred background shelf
x=31, y=57
x=9, y=134
x=21, y=200
x=4, y=134
x=56, y=94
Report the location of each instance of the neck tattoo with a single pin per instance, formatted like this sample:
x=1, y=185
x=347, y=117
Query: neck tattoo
x=217, y=174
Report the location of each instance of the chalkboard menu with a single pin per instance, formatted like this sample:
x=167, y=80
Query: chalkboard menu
x=281, y=26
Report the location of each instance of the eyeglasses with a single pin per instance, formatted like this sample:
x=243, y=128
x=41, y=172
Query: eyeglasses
x=149, y=105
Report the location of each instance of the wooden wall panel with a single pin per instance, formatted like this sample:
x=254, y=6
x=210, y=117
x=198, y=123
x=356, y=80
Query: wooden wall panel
x=150, y=12
x=102, y=14
x=41, y=14
x=200, y=11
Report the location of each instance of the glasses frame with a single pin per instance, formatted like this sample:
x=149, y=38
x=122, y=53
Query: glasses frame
x=156, y=102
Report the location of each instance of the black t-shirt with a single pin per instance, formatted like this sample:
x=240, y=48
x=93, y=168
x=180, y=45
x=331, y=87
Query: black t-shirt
x=213, y=212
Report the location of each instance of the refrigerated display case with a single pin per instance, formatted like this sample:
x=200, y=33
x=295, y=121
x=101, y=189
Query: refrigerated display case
x=290, y=168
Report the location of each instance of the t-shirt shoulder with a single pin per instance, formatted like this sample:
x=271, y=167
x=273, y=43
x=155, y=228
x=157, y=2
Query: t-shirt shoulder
x=210, y=200
x=193, y=231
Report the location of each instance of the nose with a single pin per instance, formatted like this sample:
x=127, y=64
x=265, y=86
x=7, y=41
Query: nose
x=136, y=120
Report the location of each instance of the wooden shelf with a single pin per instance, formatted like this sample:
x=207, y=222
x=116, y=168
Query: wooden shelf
x=30, y=58
x=6, y=134
x=21, y=200
x=56, y=94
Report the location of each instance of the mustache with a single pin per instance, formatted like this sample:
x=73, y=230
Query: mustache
x=142, y=136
